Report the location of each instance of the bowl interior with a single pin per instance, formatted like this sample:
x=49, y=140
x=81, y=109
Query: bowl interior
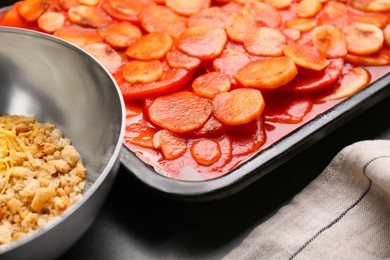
x=57, y=82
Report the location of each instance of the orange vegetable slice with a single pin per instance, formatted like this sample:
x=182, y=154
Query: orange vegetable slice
x=308, y=8
x=330, y=40
x=351, y=82
x=371, y=5
x=67, y=4
x=211, y=129
x=180, y=112
x=172, y=146
x=214, y=16
x=11, y=17
x=31, y=10
x=210, y=84
x=142, y=71
x=279, y=4
x=238, y=106
x=264, y=41
x=378, y=19
x=386, y=34
x=140, y=132
x=306, y=56
x=78, y=35
x=178, y=59
x=292, y=34
x=133, y=18
x=265, y=13
x=106, y=55
x=239, y=24
x=150, y=47
x=187, y=7
x=379, y=59
x=309, y=80
x=120, y=34
x=89, y=16
x=51, y=21
x=363, y=38
x=157, y=18
x=267, y=73
x=203, y=41
x=171, y=80
x=130, y=7
x=205, y=152
x=89, y=2
x=302, y=24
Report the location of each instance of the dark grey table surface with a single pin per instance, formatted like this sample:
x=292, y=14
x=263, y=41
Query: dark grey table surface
x=138, y=223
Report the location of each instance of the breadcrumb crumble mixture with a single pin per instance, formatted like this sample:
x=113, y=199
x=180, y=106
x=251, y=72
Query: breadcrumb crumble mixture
x=41, y=175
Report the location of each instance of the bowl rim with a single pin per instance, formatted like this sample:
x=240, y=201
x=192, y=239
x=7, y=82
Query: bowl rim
x=109, y=165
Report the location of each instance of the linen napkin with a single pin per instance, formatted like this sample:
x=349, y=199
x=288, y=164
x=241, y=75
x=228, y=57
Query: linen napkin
x=343, y=214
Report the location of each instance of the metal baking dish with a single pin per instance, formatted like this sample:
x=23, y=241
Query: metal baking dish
x=265, y=161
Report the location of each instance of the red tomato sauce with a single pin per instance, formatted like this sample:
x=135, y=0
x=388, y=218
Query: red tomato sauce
x=226, y=146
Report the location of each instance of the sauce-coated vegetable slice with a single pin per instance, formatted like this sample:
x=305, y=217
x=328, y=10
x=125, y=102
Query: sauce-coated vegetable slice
x=187, y=7
x=205, y=152
x=157, y=18
x=306, y=56
x=267, y=73
x=308, y=8
x=171, y=80
x=265, y=14
x=140, y=132
x=178, y=59
x=130, y=7
x=150, y=46
x=210, y=84
x=180, y=112
x=238, y=106
x=309, y=80
x=213, y=16
x=142, y=71
x=330, y=40
x=51, y=21
x=120, y=34
x=89, y=16
x=203, y=42
x=264, y=41
x=31, y=10
x=363, y=38
x=109, y=58
x=172, y=146
x=78, y=35
x=239, y=24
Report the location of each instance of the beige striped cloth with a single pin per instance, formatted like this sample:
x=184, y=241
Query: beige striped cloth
x=343, y=214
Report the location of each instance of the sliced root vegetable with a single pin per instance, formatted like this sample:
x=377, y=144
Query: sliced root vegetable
x=264, y=41
x=248, y=138
x=180, y=112
x=308, y=80
x=171, y=80
x=118, y=15
x=187, y=7
x=268, y=73
x=178, y=59
x=286, y=109
x=11, y=17
x=351, y=82
x=142, y=71
x=133, y=108
x=172, y=146
x=150, y=47
x=308, y=8
x=265, y=13
x=120, y=34
x=330, y=40
x=157, y=18
x=78, y=35
x=88, y=16
x=292, y=34
x=210, y=84
x=205, y=152
x=279, y=4
x=214, y=16
x=378, y=59
x=230, y=61
x=371, y=5
x=378, y=19
x=306, y=56
x=302, y=24
x=203, y=42
x=130, y=7
x=67, y=4
x=89, y=2
x=140, y=132
x=51, y=21
x=238, y=25
x=386, y=33
x=335, y=13
x=31, y=10
x=363, y=38
x=211, y=129
x=238, y=106
x=108, y=57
